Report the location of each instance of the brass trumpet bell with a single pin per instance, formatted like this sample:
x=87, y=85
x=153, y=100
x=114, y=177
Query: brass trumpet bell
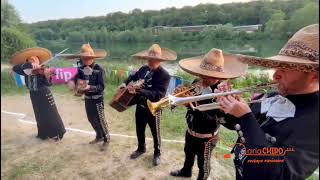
x=164, y=102
x=154, y=106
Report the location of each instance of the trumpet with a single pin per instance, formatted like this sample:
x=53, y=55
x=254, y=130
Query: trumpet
x=180, y=100
x=164, y=102
x=212, y=106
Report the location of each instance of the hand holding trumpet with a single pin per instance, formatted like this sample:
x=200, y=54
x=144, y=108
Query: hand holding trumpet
x=229, y=104
x=223, y=90
x=185, y=93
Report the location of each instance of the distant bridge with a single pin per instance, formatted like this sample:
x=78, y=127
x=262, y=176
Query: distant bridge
x=248, y=28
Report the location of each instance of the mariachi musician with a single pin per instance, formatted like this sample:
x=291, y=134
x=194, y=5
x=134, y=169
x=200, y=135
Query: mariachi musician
x=155, y=83
x=92, y=77
x=287, y=119
x=202, y=131
x=28, y=63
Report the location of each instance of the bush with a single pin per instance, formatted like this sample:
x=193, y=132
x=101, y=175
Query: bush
x=126, y=36
x=13, y=40
x=218, y=32
x=144, y=35
x=9, y=15
x=251, y=79
x=171, y=35
x=224, y=32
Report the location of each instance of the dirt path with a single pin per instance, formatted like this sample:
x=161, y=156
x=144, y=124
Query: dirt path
x=25, y=157
x=72, y=112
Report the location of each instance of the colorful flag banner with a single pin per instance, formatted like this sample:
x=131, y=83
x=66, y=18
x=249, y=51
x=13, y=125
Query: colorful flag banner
x=19, y=80
x=63, y=75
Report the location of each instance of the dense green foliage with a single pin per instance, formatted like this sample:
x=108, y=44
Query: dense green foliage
x=9, y=16
x=13, y=40
x=280, y=19
x=14, y=36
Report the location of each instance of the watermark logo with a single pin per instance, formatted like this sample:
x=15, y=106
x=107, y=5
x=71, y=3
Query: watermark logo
x=273, y=152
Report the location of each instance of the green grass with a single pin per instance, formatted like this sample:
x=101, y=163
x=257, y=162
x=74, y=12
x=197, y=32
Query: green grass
x=173, y=123
x=313, y=177
x=34, y=166
x=8, y=85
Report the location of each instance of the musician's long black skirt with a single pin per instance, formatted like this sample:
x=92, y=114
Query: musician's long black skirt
x=49, y=122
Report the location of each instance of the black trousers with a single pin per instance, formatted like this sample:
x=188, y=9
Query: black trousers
x=96, y=117
x=144, y=117
x=202, y=147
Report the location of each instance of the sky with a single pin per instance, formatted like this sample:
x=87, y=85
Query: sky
x=40, y=10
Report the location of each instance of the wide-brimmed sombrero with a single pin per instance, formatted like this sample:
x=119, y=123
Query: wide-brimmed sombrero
x=21, y=57
x=156, y=52
x=86, y=52
x=301, y=53
x=214, y=64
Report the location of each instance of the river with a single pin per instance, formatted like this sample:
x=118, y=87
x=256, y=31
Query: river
x=119, y=52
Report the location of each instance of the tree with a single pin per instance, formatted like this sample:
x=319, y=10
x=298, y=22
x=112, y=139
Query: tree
x=281, y=17
x=275, y=27
x=265, y=13
x=9, y=16
x=13, y=40
x=307, y=15
x=76, y=36
x=14, y=36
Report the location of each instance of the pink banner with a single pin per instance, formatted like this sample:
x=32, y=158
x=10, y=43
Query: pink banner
x=63, y=75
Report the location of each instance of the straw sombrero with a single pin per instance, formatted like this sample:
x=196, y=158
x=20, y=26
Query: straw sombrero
x=214, y=64
x=301, y=53
x=86, y=52
x=156, y=52
x=21, y=57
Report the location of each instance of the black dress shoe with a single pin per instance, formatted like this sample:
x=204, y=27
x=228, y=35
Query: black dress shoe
x=104, y=146
x=156, y=160
x=179, y=173
x=96, y=141
x=136, y=154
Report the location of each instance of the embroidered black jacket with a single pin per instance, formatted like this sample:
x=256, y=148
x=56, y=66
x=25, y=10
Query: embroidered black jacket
x=96, y=79
x=33, y=82
x=155, y=84
x=204, y=122
x=300, y=134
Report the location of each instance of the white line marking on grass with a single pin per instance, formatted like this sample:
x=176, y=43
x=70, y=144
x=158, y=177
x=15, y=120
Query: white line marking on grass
x=22, y=116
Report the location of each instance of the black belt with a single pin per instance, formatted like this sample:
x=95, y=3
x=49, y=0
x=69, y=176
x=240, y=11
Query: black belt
x=93, y=97
x=199, y=135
